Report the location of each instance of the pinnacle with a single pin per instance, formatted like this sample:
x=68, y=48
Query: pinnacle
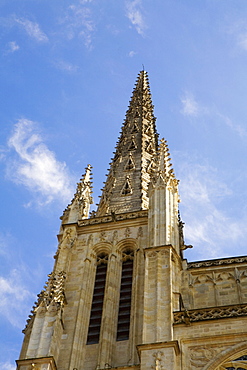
x=164, y=161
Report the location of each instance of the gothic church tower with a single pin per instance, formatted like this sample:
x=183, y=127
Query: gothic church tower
x=121, y=295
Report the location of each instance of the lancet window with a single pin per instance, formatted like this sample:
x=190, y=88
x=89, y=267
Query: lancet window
x=123, y=326
x=98, y=300
x=126, y=190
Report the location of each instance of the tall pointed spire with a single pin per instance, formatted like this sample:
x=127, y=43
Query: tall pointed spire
x=126, y=186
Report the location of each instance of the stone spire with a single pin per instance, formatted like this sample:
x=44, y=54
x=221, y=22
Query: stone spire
x=127, y=182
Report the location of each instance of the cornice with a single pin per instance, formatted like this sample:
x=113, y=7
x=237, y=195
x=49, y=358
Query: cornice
x=36, y=361
x=217, y=262
x=159, y=345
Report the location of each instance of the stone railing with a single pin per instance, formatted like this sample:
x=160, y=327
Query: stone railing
x=113, y=217
x=202, y=314
x=217, y=262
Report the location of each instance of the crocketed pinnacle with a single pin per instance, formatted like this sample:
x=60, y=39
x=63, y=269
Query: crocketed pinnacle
x=164, y=160
x=79, y=207
x=127, y=182
x=163, y=171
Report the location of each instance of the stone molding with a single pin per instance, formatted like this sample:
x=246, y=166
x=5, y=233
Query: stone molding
x=163, y=249
x=113, y=218
x=32, y=362
x=159, y=345
x=129, y=367
x=223, y=312
x=217, y=262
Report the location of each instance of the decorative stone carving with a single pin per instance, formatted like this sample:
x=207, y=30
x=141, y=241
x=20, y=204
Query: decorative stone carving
x=201, y=355
x=158, y=360
x=115, y=238
x=69, y=238
x=109, y=218
x=102, y=236
x=140, y=232
x=52, y=296
x=152, y=254
x=221, y=312
x=217, y=262
x=127, y=232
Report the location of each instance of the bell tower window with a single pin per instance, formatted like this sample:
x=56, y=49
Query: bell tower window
x=98, y=300
x=124, y=311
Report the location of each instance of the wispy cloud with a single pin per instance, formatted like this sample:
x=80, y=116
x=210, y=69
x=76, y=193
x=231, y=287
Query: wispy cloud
x=132, y=53
x=13, y=295
x=190, y=107
x=32, y=29
x=240, y=130
x=65, y=66
x=208, y=227
x=78, y=22
x=7, y=366
x=134, y=14
x=242, y=41
x=12, y=46
x=35, y=166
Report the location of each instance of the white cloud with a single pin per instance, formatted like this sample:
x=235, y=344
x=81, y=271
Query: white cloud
x=12, y=47
x=132, y=53
x=13, y=295
x=32, y=29
x=135, y=16
x=208, y=226
x=79, y=23
x=65, y=66
x=35, y=166
x=7, y=366
x=242, y=41
x=240, y=130
x=190, y=106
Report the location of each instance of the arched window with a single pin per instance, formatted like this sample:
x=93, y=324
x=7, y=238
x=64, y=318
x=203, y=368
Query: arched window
x=238, y=364
x=123, y=326
x=98, y=300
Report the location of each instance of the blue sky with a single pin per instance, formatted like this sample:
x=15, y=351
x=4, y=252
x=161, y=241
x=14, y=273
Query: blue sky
x=67, y=71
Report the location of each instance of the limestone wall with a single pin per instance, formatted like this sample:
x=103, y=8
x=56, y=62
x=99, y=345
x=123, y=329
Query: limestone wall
x=214, y=283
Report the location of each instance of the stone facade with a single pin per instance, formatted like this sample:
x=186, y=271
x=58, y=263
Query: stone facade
x=147, y=307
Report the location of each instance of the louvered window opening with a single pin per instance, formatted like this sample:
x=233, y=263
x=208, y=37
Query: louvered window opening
x=123, y=326
x=97, y=302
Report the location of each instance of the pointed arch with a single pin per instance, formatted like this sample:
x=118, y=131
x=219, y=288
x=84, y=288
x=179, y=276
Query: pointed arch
x=134, y=129
x=149, y=147
x=132, y=144
x=130, y=164
x=148, y=130
x=126, y=189
x=226, y=359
